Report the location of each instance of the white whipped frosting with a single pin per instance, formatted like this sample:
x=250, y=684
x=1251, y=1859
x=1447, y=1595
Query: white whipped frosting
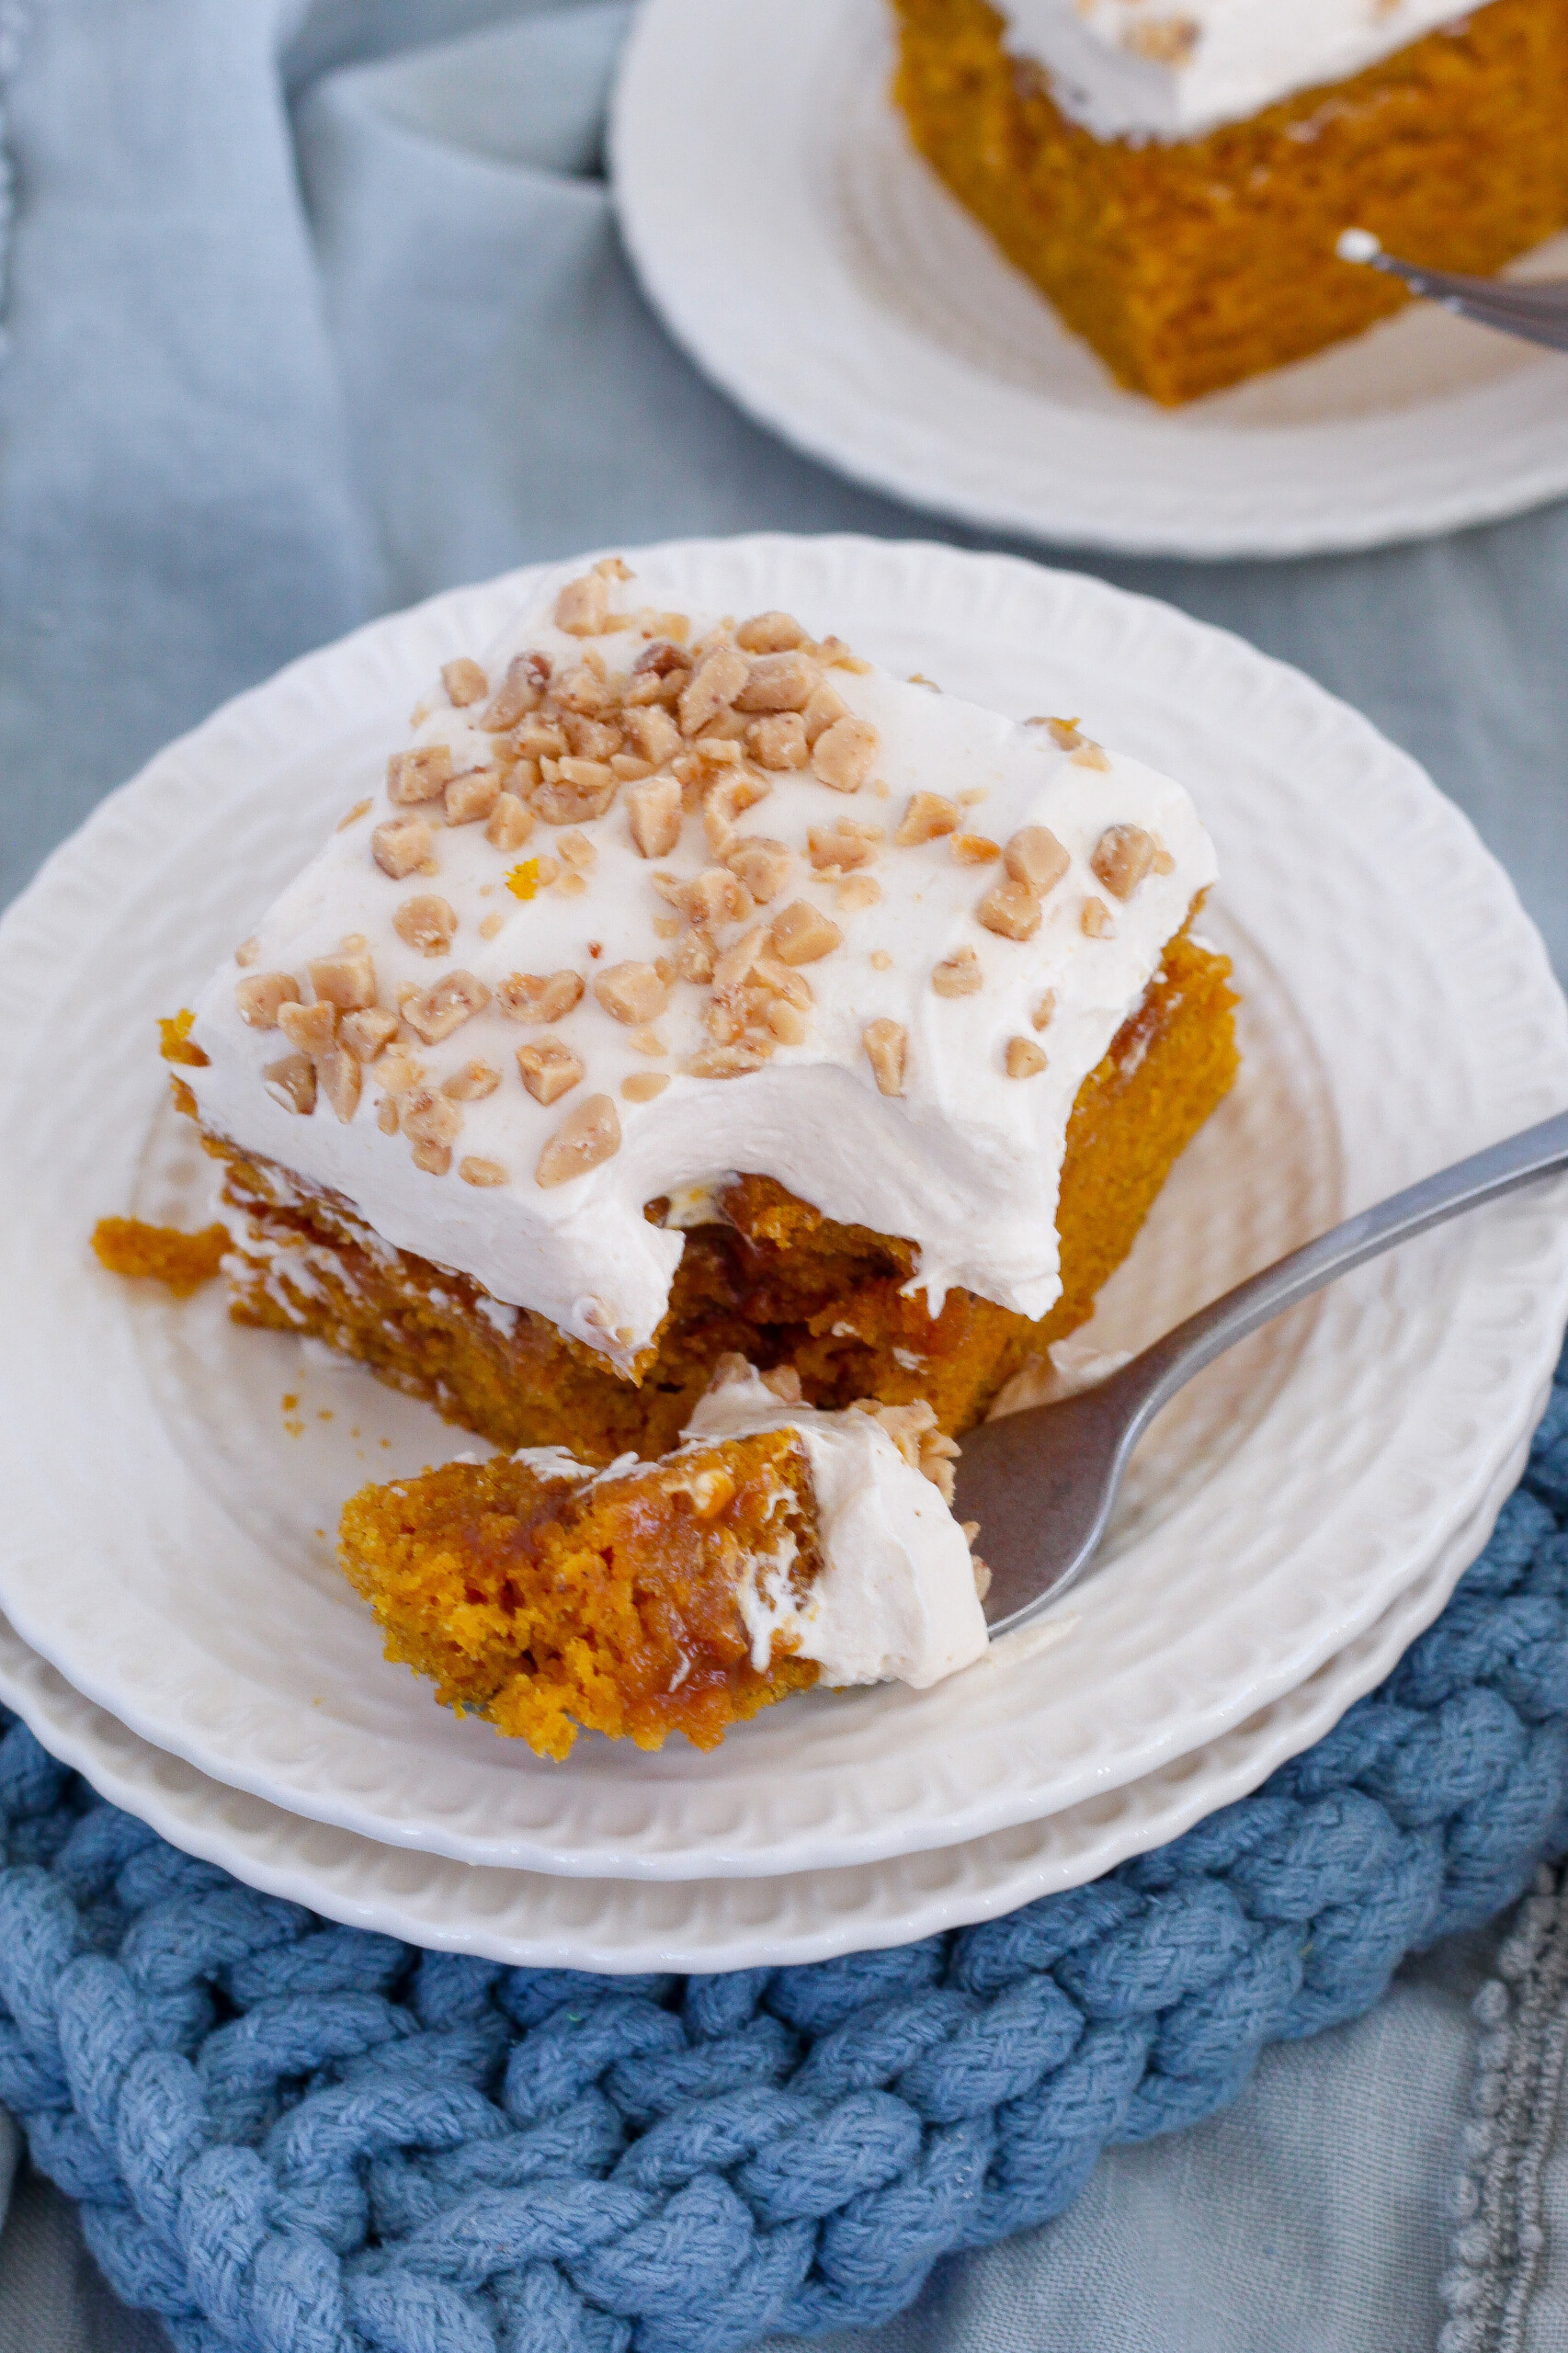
x=1175, y=69
x=895, y=1600
x=965, y=1163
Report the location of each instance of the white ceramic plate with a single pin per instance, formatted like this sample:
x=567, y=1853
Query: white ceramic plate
x=536, y=1921
x=814, y=266
x=169, y=1538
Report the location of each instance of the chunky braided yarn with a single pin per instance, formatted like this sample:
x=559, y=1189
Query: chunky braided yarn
x=289, y=2137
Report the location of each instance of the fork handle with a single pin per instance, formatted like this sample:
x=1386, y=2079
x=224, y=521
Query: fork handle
x=1166, y=1367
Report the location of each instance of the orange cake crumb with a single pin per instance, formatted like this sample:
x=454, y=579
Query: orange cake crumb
x=182, y=1261
x=549, y=1603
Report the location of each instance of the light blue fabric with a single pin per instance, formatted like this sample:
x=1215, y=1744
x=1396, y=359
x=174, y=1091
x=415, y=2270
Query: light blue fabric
x=313, y=309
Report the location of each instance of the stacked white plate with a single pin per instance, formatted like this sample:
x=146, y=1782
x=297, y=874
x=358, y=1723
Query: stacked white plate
x=177, y=1626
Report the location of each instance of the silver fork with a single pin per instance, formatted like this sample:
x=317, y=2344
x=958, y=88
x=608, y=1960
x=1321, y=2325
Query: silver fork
x=1535, y=310
x=1041, y=1483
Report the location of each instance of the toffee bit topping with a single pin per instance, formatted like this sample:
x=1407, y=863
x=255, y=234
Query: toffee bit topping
x=1122, y=857
x=397, y=1070
x=929, y=816
x=436, y=1012
x=261, y=996
x=727, y=801
x=347, y=980
x=548, y=1068
x=465, y=682
x=778, y=741
x=653, y=735
x=714, y=685
x=366, y=1033
x=881, y=961
x=426, y=923
x=1041, y=1014
x=1097, y=920
x=1010, y=909
x=840, y=848
x=578, y=852
x=472, y=1082
x=293, y=1082
x=760, y=865
x=842, y=755
x=729, y=1062
x=402, y=845
x=802, y=934
x=771, y=633
x=586, y=1138
x=249, y=949
x=860, y=891
x=778, y=682
x=340, y=1077
x=643, y=1084
x=472, y=797
x=420, y=775
x=783, y=1382
x=1163, y=863
x=786, y=1023
x=1091, y=756
x=631, y=992
x=579, y=791
x=430, y=1119
x=653, y=810
x=1035, y=857
x=490, y=926
x=386, y=1116
x=310, y=1028
x=714, y=897
x=352, y=816
x=511, y=823
x=975, y=849
x=436, y=1159
x=481, y=1172
x=1063, y=732
x=1023, y=1058
x=958, y=975
x=518, y=693
x=583, y=607
x=735, y=966
x=693, y=960
x=825, y=710
x=887, y=1050
x=647, y=1041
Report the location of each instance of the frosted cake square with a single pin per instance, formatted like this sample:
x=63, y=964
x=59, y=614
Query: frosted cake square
x=693, y=987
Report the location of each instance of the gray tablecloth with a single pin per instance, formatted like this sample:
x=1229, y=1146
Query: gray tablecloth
x=313, y=309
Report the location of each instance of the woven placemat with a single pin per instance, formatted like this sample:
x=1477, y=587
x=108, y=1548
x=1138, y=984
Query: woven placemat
x=290, y=2137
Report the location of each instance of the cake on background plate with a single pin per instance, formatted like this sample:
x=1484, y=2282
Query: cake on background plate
x=692, y=989
x=1175, y=174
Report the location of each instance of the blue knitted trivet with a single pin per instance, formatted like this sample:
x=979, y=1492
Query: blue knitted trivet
x=294, y=2138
